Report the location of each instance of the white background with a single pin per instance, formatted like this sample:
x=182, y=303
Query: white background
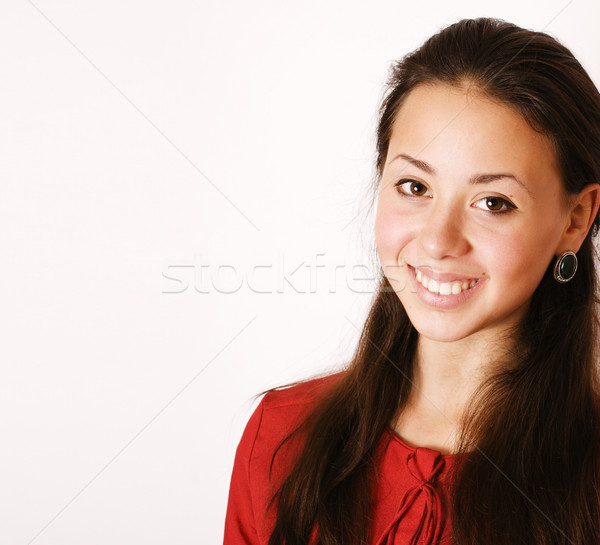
x=145, y=146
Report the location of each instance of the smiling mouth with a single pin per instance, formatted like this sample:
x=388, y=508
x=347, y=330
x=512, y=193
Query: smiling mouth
x=444, y=288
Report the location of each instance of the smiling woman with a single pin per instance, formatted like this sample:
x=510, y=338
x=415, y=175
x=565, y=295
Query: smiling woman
x=470, y=411
x=490, y=187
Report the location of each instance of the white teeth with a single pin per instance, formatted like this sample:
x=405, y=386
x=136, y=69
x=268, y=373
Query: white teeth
x=434, y=286
x=443, y=288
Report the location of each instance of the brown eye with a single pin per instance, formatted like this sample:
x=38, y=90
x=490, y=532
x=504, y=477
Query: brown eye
x=417, y=188
x=413, y=188
x=494, y=204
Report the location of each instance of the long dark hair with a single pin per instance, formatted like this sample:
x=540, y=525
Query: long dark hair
x=533, y=474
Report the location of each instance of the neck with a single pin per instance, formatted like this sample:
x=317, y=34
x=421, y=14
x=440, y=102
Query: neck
x=447, y=374
x=445, y=377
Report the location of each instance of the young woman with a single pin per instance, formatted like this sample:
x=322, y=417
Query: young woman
x=469, y=413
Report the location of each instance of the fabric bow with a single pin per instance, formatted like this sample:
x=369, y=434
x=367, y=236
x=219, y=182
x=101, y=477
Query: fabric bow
x=421, y=502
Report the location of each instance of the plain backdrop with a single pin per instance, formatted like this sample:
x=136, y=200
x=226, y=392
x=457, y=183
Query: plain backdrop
x=184, y=223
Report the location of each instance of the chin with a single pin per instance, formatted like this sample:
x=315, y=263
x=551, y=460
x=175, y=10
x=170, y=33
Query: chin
x=442, y=336
x=444, y=329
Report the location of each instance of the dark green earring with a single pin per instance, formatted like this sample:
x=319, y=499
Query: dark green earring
x=565, y=267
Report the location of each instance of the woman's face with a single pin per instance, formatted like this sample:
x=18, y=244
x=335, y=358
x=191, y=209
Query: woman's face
x=471, y=211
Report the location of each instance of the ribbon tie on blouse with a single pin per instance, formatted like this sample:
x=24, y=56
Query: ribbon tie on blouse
x=421, y=502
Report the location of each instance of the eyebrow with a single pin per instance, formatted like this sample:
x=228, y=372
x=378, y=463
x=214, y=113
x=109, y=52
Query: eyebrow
x=477, y=179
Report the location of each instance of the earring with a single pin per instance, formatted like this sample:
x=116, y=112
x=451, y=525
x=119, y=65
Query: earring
x=565, y=267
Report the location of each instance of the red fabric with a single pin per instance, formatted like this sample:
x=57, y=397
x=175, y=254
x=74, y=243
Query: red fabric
x=410, y=496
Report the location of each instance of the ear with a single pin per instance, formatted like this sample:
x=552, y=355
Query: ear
x=582, y=212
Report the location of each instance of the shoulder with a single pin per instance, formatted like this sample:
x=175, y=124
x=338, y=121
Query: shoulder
x=265, y=455
x=299, y=397
x=282, y=410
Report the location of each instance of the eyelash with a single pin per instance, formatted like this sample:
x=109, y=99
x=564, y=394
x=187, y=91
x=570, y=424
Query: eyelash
x=507, y=206
x=401, y=183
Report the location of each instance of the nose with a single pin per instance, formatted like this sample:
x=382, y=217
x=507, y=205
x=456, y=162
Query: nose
x=442, y=232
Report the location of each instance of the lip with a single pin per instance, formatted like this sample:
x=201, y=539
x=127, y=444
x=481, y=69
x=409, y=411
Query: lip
x=442, y=277
x=445, y=302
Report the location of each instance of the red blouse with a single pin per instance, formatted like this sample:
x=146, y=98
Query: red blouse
x=410, y=496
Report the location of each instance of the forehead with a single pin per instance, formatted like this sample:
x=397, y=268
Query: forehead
x=461, y=128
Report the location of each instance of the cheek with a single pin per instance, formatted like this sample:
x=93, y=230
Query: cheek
x=391, y=233
x=519, y=260
x=382, y=236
